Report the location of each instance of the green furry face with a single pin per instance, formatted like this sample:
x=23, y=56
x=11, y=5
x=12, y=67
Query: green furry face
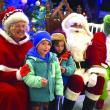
x=107, y=28
x=106, y=21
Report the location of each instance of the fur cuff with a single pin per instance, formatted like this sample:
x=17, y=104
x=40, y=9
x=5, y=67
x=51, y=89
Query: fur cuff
x=92, y=96
x=18, y=75
x=69, y=94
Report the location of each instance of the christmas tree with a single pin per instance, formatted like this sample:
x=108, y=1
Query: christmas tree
x=36, y=11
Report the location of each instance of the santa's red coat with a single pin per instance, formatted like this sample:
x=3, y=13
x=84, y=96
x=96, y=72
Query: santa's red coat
x=13, y=93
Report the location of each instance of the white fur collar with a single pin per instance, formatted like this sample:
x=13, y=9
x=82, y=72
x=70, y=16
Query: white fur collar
x=10, y=40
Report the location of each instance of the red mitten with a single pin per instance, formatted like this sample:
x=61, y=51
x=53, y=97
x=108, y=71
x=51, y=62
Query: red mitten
x=64, y=56
x=24, y=70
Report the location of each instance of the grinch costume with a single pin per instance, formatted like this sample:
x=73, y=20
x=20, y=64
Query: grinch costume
x=106, y=20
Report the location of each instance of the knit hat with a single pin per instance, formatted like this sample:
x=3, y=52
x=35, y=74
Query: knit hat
x=106, y=21
x=58, y=36
x=41, y=36
x=12, y=15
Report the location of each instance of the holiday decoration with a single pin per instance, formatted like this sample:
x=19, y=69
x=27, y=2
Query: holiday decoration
x=24, y=1
x=38, y=17
x=37, y=13
x=37, y=3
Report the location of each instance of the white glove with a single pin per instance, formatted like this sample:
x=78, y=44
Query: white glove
x=92, y=80
x=100, y=70
x=18, y=75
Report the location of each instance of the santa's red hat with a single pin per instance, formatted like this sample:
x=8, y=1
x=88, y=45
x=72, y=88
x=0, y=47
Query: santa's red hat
x=74, y=18
x=12, y=15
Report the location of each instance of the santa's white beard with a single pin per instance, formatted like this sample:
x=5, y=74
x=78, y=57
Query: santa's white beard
x=77, y=42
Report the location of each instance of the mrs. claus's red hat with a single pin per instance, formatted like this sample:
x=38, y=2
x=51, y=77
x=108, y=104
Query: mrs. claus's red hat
x=12, y=15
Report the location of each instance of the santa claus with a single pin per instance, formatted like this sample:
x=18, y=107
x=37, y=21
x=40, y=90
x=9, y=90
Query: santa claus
x=89, y=53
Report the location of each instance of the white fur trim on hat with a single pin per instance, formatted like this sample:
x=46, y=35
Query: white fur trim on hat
x=69, y=94
x=15, y=17
x=76, y=18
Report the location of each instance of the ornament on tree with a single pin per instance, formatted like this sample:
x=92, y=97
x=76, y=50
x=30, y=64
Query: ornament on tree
x=24, y=2
x=37, y=3
x=38, y=16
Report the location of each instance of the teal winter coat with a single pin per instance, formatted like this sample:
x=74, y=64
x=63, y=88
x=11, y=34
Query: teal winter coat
x=40, y=69
x=70, y=67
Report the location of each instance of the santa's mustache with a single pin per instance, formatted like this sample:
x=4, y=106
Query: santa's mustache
x=76, y=30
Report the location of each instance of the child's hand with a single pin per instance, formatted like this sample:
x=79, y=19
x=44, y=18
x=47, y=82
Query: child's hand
x=63, y=70
x=44, y=82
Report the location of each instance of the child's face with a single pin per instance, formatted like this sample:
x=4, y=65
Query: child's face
x=43, y=48
x=60, y=46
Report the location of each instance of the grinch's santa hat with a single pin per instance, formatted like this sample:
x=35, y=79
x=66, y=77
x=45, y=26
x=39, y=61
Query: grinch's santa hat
x=12, y=15
x=74, y=18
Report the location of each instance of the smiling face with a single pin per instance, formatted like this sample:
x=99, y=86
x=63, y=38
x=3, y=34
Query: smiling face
x=18, y=30
x=43, y=48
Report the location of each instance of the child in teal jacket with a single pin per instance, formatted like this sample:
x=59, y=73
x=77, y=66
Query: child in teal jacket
x=44, y=79
x=67, y=64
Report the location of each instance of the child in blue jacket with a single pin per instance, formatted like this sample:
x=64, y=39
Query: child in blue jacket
x=44, y=79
